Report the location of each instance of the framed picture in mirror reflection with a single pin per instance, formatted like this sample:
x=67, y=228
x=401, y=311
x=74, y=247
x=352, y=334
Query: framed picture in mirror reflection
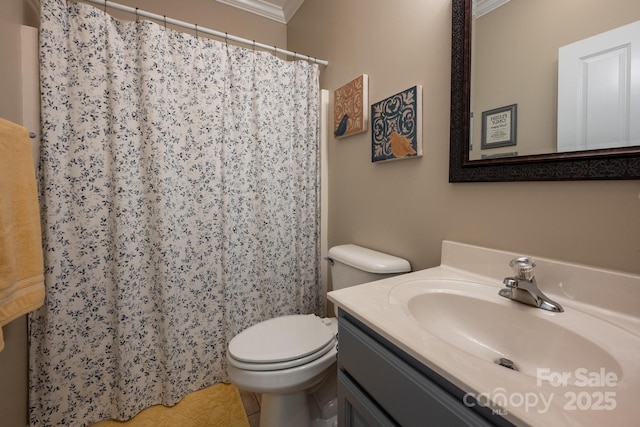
x=499, y=127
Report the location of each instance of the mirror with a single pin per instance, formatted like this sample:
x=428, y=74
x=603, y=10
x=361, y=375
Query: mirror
x=514, y=122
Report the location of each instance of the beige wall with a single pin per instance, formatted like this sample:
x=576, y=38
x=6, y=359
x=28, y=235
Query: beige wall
x=10, y=21
x=408, y=207
x=13, y=14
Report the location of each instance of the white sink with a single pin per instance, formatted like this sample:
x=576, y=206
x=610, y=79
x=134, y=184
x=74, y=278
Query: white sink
x=580, y=366
x=474, y=318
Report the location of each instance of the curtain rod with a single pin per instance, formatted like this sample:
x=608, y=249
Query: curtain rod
x=162, y=18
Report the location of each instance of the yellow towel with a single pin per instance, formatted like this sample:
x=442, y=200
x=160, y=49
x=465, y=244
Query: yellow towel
x=21, y=262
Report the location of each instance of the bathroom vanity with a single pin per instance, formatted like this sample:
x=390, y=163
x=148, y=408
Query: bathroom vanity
x=381, y=385
x=442, y=347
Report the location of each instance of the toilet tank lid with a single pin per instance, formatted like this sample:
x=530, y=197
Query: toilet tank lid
x=368, y=260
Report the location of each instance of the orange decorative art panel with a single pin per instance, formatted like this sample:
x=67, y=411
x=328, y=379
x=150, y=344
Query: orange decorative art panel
x=351, y=112
x=396, y=126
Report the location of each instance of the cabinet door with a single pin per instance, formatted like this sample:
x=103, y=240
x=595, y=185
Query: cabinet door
x=356, y=409
x=408, y=396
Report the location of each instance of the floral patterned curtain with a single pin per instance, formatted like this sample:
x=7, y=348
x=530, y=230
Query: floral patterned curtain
x=179, y=185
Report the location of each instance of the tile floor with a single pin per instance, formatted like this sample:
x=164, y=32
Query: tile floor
x=251, y=402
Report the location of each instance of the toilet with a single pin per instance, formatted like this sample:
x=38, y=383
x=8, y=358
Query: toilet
x=291, y=360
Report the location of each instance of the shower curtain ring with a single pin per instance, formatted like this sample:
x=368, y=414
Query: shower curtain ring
x=226, y=38
x=137, y=17
x=165, y=21
x=105, y=6
x=254, y=45
x=196, y=30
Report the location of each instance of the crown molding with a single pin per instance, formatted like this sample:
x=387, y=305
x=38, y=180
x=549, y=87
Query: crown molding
x=290, y=8
x=266, y=9
x=482, y=7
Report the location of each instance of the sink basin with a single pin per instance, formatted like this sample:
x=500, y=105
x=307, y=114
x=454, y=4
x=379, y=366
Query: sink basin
x=473, y=318
x=576, y=368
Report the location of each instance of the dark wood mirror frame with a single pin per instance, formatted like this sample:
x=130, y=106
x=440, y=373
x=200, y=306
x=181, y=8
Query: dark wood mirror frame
x=618, y=163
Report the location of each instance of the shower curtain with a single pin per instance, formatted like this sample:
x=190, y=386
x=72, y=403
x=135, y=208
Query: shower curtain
x=179, y=191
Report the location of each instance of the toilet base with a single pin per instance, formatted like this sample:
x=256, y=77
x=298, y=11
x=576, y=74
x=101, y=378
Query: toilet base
x=330, y=411
x=314, y=407
x=292, y=409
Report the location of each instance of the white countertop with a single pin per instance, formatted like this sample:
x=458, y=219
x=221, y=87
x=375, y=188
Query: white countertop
x=529, y=400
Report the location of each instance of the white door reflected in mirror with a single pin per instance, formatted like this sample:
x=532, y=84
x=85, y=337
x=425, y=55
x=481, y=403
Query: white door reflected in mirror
x=599, y=91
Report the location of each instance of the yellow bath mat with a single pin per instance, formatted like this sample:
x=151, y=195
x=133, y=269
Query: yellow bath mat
x=216, y=406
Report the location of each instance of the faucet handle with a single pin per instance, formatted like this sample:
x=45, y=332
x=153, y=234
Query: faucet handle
x=523, y=267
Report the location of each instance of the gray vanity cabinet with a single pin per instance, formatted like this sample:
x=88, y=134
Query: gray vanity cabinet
x=380, y=385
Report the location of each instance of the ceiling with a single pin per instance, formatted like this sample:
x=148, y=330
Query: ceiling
x=278, y=10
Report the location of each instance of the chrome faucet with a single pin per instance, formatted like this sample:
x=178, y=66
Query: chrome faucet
x=523, y=287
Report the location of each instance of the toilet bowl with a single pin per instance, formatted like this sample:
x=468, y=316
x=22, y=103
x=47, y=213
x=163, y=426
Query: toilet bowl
x=291, y=360
x=286, y=359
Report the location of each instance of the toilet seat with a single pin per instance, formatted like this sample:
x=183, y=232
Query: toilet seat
x=282, y=365
x=281, y=343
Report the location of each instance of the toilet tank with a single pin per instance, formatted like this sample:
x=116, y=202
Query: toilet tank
x=353, y=265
